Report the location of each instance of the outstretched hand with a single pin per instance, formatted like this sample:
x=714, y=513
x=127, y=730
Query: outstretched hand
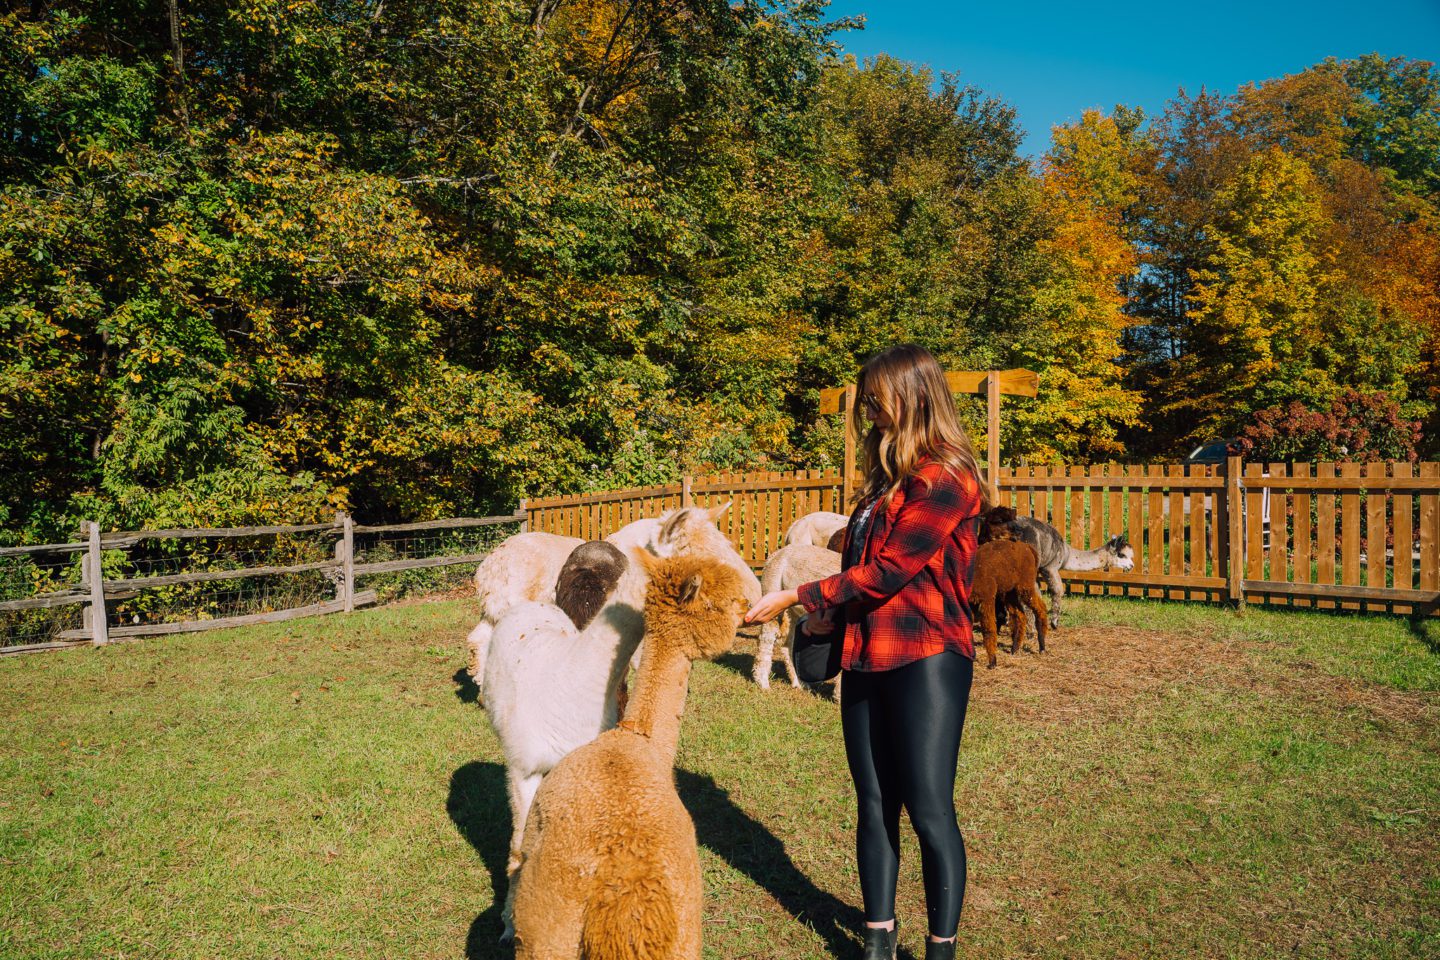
x=772, y=605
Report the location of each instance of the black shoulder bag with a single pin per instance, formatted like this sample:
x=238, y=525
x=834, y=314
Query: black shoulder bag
x=817, y=659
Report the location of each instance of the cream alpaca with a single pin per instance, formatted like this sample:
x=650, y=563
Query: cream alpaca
x=815, y=529
x=786, y=569
x=609, y=868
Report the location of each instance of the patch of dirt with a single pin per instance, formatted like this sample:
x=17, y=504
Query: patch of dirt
x=1092, y=671
x=1099, y=673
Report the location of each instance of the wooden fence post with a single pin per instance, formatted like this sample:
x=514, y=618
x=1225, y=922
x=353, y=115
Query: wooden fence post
x=1235, y=532
x=685, y=498
x=346, y=549
x=992, y=427
x=523, y=513
x=847, y=469
x=94, y=574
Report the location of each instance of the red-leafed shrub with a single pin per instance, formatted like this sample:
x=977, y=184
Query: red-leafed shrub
x=1356, y=426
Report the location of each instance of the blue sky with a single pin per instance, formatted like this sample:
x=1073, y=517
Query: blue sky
x=1051, y=60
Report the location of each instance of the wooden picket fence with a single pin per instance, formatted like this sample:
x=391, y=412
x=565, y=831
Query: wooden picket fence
x=763, y=505
x=1332, y=536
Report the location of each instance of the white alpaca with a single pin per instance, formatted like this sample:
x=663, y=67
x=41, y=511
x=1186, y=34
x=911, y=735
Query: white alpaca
x=816, y=529
x=553, y=672
x=786, y=569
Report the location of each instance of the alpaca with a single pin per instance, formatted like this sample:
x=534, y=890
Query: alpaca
x=1006, y=572
x=1055, y=555
x=814, y=529
x=610, y=868
x=554, y=671
x=786, y=569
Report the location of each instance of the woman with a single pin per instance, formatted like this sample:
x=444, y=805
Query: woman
x=902, y=600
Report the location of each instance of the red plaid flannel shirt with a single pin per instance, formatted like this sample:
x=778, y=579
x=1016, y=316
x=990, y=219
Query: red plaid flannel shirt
x=908, y=597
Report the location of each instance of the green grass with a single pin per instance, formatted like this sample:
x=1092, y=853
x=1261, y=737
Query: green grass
x=1168, y=780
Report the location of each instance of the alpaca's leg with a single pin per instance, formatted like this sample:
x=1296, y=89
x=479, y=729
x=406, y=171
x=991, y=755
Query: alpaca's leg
x=1057, y=590
x=835, y=689
x=1017, y=620
x=1032, y=599
x=522, y=794
x=788, y=625
x=986, y=607
x=765, y=654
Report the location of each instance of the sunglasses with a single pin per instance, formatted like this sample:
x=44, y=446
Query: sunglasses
x=871, y=403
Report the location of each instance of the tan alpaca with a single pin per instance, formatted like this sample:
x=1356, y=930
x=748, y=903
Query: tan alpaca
x=609, y=867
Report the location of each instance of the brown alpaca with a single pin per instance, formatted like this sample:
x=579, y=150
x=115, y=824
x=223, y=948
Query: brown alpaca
x=609, y=867
x=1005, y=572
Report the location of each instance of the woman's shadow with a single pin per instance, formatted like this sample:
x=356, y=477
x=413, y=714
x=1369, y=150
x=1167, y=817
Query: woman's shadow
x=477, y=799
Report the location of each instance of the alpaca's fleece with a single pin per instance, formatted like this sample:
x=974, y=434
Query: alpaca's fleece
x=609, y=866
x=526, y=566
x=692, y=530
x=787, y=569
x=1005, y=572
x=815, y=529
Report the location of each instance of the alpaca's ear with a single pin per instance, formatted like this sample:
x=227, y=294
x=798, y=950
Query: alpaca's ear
x=670, y=527
x=719, y=511
x=689, y=590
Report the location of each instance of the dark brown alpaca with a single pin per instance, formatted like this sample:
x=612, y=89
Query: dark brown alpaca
x=1005, y=572
x=997, y=523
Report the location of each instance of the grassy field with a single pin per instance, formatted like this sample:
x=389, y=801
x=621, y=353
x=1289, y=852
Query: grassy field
x=1167, y=780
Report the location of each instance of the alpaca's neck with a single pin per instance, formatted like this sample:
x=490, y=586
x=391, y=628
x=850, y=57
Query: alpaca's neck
x=1086, y=559
x=608, y=642
x=658, y=702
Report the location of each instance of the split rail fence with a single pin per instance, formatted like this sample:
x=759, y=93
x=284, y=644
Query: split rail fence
x=321, y=559
x=1343, y=536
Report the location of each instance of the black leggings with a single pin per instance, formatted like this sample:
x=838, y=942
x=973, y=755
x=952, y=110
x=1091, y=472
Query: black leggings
x=902, y=738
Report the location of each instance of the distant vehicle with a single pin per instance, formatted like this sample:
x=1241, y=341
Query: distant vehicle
x=1216, y=452
x=1212, y=451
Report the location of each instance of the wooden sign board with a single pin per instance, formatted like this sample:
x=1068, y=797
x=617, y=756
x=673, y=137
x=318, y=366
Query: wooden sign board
x=1015, y=383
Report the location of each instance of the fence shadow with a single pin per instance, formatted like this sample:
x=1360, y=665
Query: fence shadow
x=1424, y=628
x=747, y=846
x=477, y=793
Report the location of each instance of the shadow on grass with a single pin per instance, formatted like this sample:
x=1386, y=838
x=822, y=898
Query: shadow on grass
x=466, y=690
x=1425, y=629
x=742, y=664
x=477, y=792
x=747, y=846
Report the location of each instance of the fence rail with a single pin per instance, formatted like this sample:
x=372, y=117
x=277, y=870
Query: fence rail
x=98, y=593
x=1330, y=536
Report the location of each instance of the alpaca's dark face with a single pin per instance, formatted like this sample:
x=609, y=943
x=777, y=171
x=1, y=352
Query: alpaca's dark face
x=1123, y=553
x=997, y=524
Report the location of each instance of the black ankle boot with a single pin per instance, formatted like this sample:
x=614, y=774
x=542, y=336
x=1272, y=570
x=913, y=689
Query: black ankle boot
x=880, y=944
x=939, y=951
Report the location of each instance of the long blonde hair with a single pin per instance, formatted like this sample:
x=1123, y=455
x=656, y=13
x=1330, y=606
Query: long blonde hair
x=910, y=389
